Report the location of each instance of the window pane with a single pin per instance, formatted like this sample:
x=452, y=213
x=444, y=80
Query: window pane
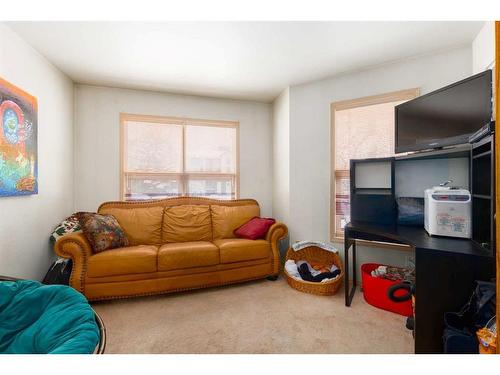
x=210, y=149
x=342, y=203
x=142, y=187
x=360, y=132
x=212, y=187
x=153, y=147
x=364, y=132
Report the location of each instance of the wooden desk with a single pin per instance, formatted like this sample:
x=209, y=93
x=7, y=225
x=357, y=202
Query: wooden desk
x=445, y=270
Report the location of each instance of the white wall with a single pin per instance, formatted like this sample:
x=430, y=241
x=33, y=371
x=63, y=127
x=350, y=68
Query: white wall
x=483, y=48
x=97, y=148
x=431, y=172
x=310, y=132
x=281, y=156
x=27, y=222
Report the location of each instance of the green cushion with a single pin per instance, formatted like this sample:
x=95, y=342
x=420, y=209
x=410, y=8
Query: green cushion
x=40, y=319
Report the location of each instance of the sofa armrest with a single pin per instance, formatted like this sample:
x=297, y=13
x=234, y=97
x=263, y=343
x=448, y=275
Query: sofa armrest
x=277, y=232
x=76, y=247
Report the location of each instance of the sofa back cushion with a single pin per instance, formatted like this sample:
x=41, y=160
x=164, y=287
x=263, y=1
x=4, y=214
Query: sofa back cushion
x=225, y=219
x=142, y=225
x=186, y=223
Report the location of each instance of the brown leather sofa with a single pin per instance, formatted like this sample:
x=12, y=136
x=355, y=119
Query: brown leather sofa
x=175, y=244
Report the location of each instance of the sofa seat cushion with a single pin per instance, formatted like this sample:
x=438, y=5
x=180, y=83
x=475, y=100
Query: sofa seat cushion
x=174, y=256
x=123, y=261
x=240, y=249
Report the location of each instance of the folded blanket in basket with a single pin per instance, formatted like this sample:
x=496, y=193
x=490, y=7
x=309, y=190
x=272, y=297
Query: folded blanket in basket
x=323, y=245
x=305, y=273
x=302, y=270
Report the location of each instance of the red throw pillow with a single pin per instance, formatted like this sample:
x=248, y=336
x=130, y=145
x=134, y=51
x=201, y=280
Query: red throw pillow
x=254, y=229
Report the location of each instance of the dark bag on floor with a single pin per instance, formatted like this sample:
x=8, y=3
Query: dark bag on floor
x=59, y=272
x=460, y=328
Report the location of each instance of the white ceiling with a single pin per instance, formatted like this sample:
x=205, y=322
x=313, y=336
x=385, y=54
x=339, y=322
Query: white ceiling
x=241, y=60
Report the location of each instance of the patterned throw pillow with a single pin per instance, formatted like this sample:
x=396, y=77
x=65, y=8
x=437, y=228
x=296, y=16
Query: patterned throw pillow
x=102, y=231
x=69, y=225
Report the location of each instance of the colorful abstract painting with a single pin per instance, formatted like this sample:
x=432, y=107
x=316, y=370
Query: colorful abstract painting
x=18, y=141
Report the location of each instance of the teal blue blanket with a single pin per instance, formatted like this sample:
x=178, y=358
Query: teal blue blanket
x=37, y=318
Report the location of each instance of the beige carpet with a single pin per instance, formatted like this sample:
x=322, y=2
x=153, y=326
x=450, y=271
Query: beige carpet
x=255, y=317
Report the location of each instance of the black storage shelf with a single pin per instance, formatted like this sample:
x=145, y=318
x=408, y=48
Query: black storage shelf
x=446, y=267
x=373, y=191
x=481, y=146
x=479, y=196
x=373, y=204
x=482, y=155
x=376, y=205
x=483, y=192
x=461, y=151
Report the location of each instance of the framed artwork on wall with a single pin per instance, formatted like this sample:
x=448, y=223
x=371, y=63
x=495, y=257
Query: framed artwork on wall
x=18, y=141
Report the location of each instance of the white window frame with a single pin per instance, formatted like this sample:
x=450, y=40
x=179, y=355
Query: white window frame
x=183, y=176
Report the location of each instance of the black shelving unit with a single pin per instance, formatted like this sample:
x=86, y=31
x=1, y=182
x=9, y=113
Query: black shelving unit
x=377, y=205
x=446, y=267
x=373, y=204
x=483, y=192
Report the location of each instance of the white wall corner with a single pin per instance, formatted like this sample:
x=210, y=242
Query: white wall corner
x=483, y=48
x=281, y=156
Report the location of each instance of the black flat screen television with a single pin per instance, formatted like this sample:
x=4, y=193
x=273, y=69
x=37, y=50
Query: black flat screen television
x=445, y=117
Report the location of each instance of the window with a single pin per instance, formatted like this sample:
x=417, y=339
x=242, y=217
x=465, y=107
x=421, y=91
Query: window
x=168, y=157
x=361, y=128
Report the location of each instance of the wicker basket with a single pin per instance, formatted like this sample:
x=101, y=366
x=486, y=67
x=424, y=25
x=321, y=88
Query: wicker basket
x=315, y=254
